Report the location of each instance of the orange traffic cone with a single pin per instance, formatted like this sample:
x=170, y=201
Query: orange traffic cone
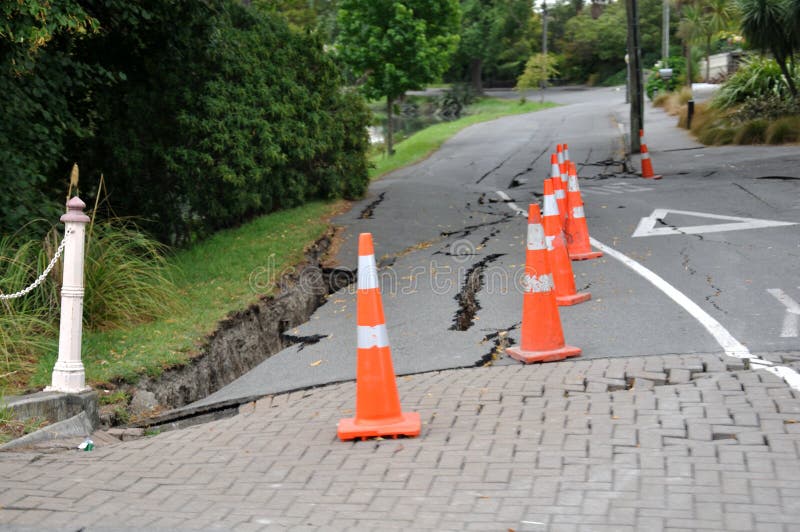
x=566, y=154
x=576, y=230
x=647, y=165
x=557, y=251
x=555, y=177
x=563, y=167
x=542, y=338
x=377, y=402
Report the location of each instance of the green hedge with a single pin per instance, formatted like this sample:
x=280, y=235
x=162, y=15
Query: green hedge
x=200, y=115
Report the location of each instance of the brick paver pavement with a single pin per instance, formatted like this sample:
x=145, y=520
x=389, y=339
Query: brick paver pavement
x=655, y=443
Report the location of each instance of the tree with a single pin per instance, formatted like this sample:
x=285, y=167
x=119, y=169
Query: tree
x=691, y=29
x=772, y=25
x=39, y=81
x=397, y=45
x=538, y=69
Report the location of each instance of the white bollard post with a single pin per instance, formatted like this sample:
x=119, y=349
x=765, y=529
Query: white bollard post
x=68, y=373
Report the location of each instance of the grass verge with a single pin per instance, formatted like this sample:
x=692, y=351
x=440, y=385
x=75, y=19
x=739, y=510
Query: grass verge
x=213, y=278
x=423, y=143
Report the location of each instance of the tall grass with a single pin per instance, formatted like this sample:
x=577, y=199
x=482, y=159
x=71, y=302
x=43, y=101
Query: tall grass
x=125, y=282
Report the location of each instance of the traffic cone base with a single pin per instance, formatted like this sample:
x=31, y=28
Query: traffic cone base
x=573, y=299
x=552, y=355
x=585, y=256
x=409, y=425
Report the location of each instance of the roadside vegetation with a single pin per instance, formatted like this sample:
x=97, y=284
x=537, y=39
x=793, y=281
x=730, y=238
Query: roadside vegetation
x=759, y=103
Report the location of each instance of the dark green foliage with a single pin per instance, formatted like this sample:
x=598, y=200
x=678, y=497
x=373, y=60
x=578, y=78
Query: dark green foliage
x=248, y=117
x=759, y=78
x=656, y=84
x=200, y=115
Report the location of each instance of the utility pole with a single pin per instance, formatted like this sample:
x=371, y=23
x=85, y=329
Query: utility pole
x=636, y=85
x=544, y=42
x=665, y=35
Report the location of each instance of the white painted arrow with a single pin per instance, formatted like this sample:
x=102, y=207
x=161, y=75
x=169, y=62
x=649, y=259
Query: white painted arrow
x=647, y=226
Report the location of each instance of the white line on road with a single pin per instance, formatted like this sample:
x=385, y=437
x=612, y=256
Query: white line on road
x=731, y=346
x=792, y=312
x=511, y=205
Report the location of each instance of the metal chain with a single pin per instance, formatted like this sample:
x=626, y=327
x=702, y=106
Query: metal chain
x=44, y=275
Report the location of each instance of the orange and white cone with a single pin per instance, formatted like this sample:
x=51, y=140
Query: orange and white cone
x=542, y=338
x=555, y=177
x=557, y=251
x=647, y=165
x=576, y=229
x=377, y=401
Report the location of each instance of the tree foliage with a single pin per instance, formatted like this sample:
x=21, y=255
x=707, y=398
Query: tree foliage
x=497, y=37
x=772, y=25
x=396, y=45
x=200, y=115
x=538, y=70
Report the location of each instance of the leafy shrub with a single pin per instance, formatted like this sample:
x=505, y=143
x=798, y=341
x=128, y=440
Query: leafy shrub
x=656, y=84
x=758, y=78
x=784, y=130
x=201, y=115
x=770, y=107
x=752, y=132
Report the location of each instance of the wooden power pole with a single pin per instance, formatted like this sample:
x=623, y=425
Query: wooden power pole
x=636, y=84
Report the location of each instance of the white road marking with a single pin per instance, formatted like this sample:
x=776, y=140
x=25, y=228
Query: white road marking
x=729, y=344
x=790, y=320
x=647, y=225
x=614, y=188
x=513, y=206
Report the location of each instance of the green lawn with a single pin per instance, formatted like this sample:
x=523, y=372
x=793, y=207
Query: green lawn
x=224, y=273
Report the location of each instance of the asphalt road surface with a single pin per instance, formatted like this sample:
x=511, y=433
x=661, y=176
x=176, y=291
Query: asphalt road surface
x=705, y=260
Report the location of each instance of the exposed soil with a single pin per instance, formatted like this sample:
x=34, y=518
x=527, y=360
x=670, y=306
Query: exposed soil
x=246, y=338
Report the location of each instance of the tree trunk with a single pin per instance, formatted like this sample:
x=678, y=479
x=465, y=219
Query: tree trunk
x=476, y=74
x=389, y=126
x=689, y=66
x=781, y=60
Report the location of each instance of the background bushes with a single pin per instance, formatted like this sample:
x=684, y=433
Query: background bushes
x=200, y=115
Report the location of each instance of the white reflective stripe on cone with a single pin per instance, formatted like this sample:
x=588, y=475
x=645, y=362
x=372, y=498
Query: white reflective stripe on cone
x=372, y=336
x=549, y=240
x=577, y=212
x=550, y=205
x=536, y=239
x=572, y=184
x=538, y=285
x=367, y=272
x=560, y=193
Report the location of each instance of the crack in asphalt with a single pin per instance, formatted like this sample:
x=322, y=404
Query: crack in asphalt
x=752, y=194
x=515, y=181
x=369, y=210
x=466, y=297
x=466, y=231
x=500, y=341
x=304, y=341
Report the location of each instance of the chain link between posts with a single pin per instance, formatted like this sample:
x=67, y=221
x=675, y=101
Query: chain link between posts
x=44, y=274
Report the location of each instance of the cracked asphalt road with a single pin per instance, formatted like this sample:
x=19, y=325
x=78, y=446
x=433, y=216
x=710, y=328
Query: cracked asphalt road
x=454, y=243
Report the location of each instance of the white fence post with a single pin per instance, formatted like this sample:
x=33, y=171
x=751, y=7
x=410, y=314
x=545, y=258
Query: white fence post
x=68, y=374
